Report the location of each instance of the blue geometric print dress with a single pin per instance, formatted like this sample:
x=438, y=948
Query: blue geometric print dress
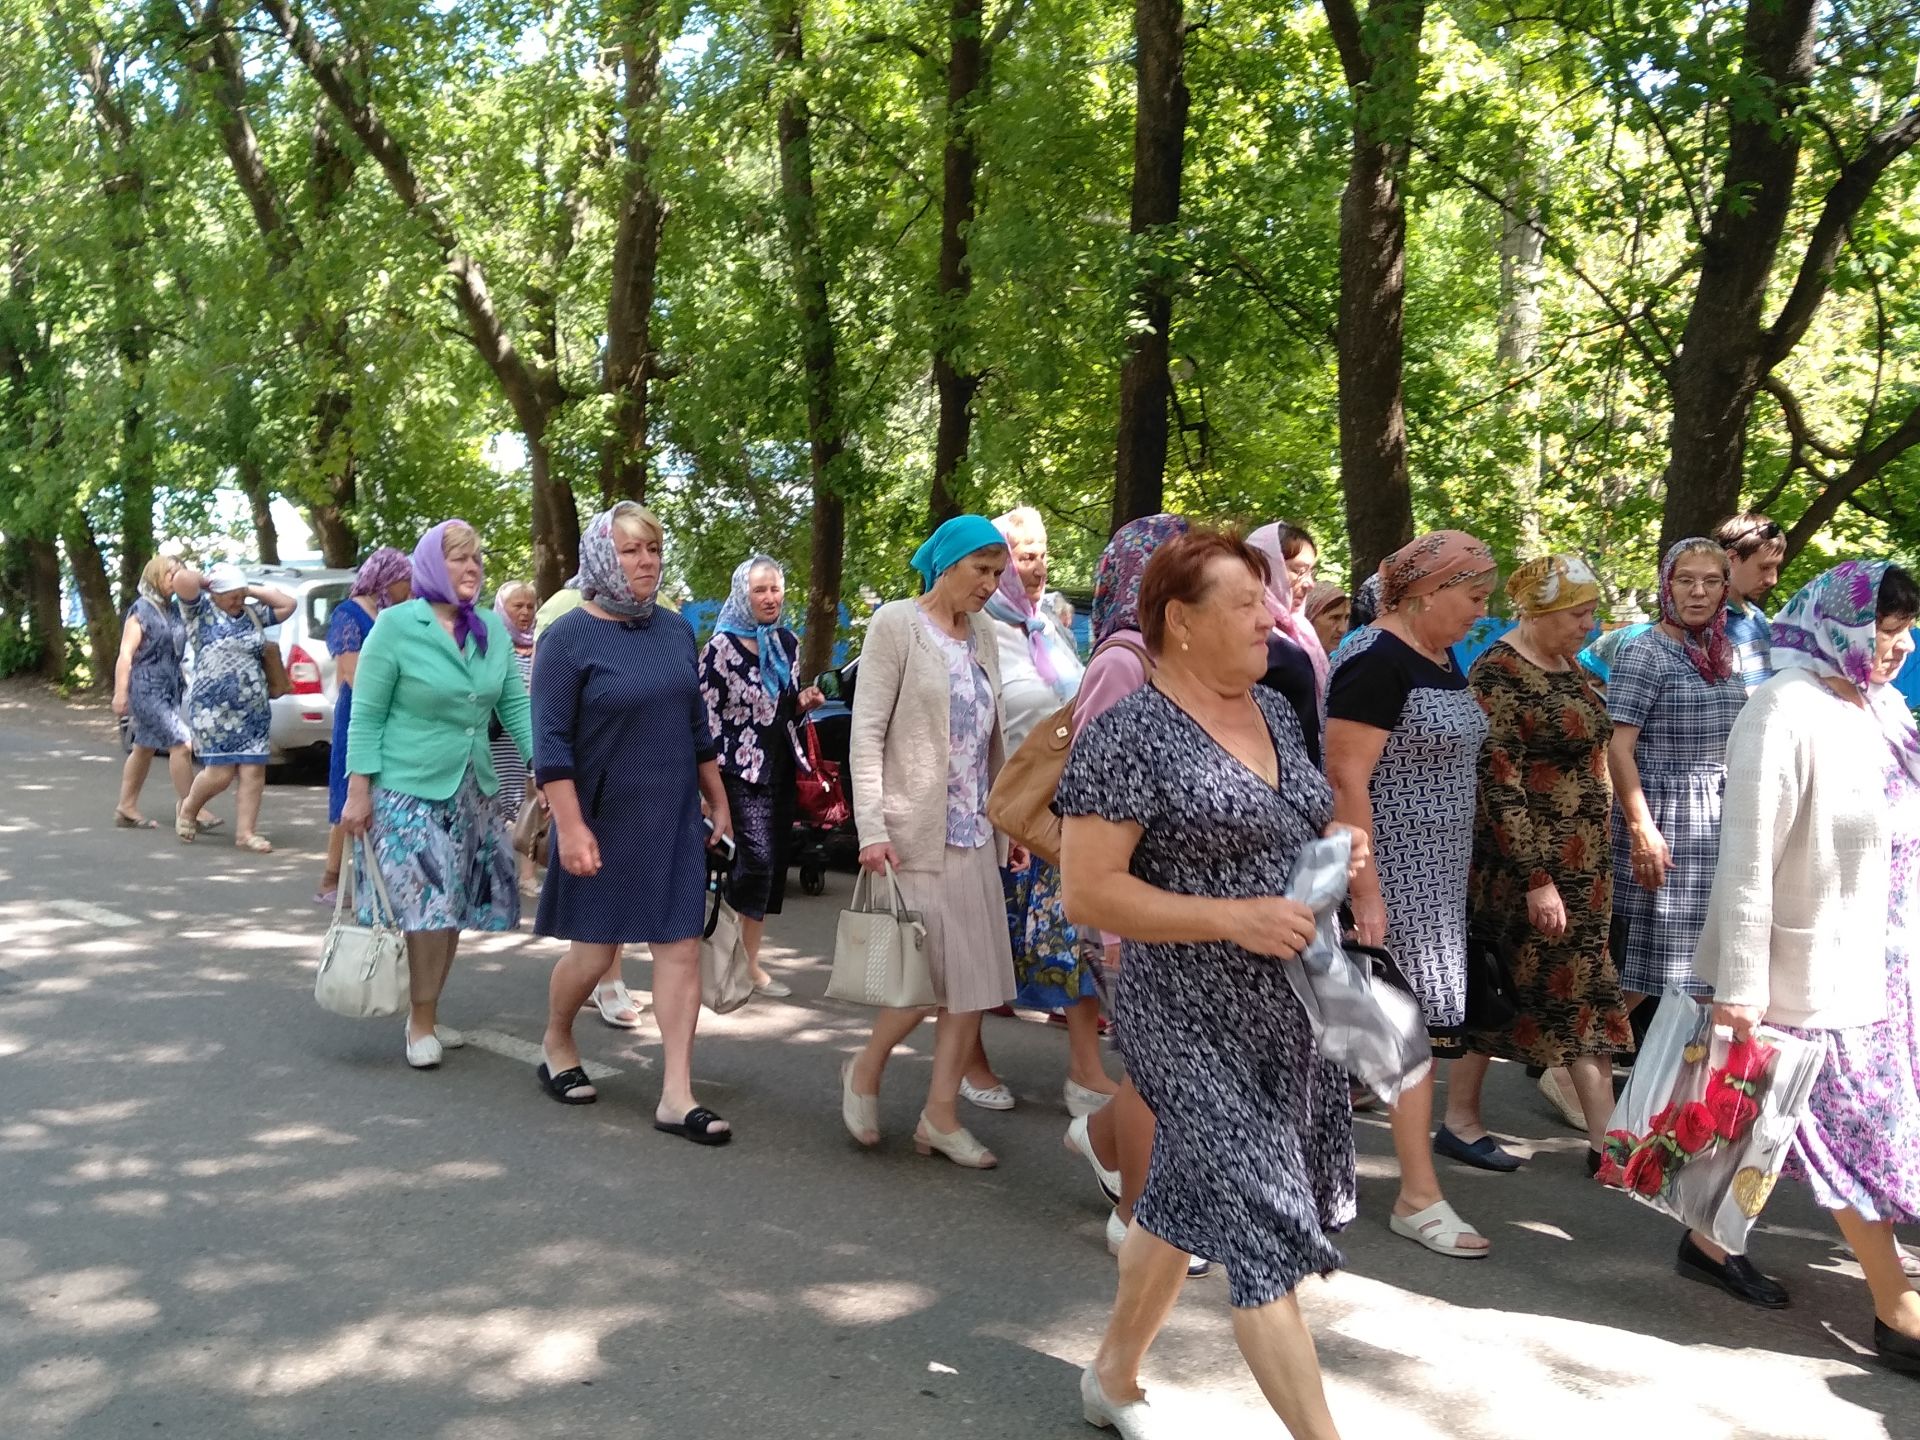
x=227, y=704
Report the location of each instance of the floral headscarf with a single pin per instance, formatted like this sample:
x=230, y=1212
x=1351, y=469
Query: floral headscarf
x=1290, y=620
x=378, y=571
x=522, y=638
x=737, y=618
x=1123, y=564
x=1829, y=628
x=432, y=584
x=601, y=579
x=1366, y=603
x=1553, y=582
x=1707, y=648
x=1436, y=561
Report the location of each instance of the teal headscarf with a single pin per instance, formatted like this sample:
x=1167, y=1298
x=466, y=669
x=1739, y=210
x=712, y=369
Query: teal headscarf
x=956, y=539
x=737, y=618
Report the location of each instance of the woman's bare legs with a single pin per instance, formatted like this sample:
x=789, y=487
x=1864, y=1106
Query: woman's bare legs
x=955, y=1038
x=429, y=959
x=1412, y=1119
x=574, y=975
x=1083, y=1047
x=1151, y=1272
x=890, y=1029
x=207, y=784
x=1278, y=1348
x=676, y=1010
x=977, y=1068
x=246, y=809
x=1896, y=1304
x=752, y=932
x=336, y=856
x=133, y=779
x=1465, y=1079
x=1592, y=1077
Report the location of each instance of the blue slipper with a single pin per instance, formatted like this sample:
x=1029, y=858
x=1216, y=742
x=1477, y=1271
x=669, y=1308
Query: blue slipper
x=1483, y=1154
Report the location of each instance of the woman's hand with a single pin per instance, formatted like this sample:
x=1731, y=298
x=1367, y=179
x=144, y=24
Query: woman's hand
x=811, y=699
x=579, y=851
x=1270, y=925
x=1738, y=1018
x=1362, y=854
x=722, y=819
x=878, y=857
x=1652, y=858
x=1018, y=856
x=356, y=816
x=1370, y=920
x=120, y=706
x=1546, y=911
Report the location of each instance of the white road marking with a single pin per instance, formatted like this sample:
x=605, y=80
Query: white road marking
x=514, y=1048
x=93, y=914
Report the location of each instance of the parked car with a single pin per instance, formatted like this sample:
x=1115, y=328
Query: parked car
x=302, y=727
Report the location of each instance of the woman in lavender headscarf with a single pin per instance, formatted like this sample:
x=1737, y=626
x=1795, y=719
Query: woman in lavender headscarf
x=422, y=782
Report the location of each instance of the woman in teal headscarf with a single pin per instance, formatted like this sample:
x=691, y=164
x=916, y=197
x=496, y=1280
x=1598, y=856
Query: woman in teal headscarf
x=927, y=740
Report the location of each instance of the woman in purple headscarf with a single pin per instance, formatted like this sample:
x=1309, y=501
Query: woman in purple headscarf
x=385, y=578
x=432, y=674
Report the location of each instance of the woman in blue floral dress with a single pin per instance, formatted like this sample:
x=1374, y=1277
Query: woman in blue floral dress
x=149, y=692
x=227, y=704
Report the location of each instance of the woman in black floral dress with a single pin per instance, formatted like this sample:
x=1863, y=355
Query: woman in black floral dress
x=1186, y=806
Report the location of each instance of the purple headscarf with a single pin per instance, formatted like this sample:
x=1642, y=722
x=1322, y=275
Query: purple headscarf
x=1123, y=564
x=1830, y=628
x=378, y=571
x=430, y=583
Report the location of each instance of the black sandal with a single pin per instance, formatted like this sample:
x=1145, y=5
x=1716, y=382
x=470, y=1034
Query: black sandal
x=697, y=1127
x=562, y=1085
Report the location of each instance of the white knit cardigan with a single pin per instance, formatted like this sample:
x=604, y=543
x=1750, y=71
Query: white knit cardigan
x=1797, y=924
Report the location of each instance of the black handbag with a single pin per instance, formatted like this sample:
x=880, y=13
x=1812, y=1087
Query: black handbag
x=1491, y=1004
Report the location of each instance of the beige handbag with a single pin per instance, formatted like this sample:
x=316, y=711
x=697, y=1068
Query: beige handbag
x=1020, y=805
x=533, y=830
x=726, y=974
x=363, y=968
x=880, y=954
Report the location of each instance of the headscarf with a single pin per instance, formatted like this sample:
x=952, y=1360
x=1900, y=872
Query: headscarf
x=378, y=571
x=737, y=618
x=1553, y=582
x=1289, y=619
x=1829, y=627
x=150, y=574
x=225, y=578
x=601, y=579
x=1436, y=561
x=1123, y=564
x=522, y=636
x=1322, y=595
x=955, y=540
x=1012, y=606
x=1707, y=648
x=1366, y=603
x=432, y=584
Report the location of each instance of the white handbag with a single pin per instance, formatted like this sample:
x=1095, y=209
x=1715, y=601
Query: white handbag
x=880, y=955
x=726, y=974
x=363, y=968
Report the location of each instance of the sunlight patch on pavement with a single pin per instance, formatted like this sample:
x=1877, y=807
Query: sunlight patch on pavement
x=92, y=914
x=867, y=1302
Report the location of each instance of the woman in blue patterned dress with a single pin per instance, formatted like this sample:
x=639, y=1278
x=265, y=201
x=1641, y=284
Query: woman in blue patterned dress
x=754, y=705
x=149, y=690
x=227, y=705
x=1403, y=752
x=421, y=785
x=384, y=578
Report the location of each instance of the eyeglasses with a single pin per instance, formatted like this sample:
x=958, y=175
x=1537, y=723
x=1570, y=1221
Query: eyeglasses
x=1705, y=587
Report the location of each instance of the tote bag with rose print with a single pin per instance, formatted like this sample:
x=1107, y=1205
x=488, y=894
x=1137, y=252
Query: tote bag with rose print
x=1702, y=1129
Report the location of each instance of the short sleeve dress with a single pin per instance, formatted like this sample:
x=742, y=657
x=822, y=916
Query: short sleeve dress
x=1682, y=756
x=1544, y=807
x=1422, y=795
x=1253, y=1153
x=156, y=683
x=347, y=632
x=617, y=710
x=227, y=704
x=759, y=758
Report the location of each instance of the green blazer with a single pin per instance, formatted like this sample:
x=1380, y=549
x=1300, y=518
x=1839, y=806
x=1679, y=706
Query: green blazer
x=421, y=704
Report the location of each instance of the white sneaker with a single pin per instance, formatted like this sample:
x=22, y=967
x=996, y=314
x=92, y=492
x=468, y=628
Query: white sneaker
x=999, y=1097
x=449, y=1038
x=424, y=1053
x=1078, y=1141
x=1197, y=1266
x=1081, y=1101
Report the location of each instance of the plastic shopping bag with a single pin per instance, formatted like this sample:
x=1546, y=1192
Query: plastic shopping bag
x=1702, y=1129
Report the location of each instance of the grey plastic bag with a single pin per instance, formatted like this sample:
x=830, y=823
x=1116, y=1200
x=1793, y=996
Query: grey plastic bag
x=1368, y=1027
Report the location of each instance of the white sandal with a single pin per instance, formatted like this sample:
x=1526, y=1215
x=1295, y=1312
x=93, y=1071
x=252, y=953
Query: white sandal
x=613, y=1000
x=1440, y=1229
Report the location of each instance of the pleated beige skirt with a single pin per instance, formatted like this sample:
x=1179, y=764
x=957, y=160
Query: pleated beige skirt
x=965, y=910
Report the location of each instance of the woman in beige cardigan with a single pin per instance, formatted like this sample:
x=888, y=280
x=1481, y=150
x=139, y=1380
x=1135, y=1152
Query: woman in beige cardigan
x=926, y=744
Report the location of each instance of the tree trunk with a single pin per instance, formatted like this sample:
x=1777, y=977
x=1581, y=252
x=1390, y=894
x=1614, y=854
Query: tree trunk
x=44, y=620
x=1161, y=103
x=1381, y=61
x=955, y=387
x=253, y=484
x=96, y=596
x=1721, y=363
x=630, y=361
x=825, y=442
x=1522, y=252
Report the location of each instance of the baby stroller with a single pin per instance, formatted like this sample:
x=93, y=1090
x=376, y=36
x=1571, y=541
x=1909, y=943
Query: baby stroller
x=823, y=832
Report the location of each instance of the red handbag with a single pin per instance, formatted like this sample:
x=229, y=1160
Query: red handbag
x=820, y=801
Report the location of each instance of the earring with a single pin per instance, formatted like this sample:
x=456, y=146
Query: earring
x=1185, y=646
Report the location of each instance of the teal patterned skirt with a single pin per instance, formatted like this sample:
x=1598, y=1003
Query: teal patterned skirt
x=1052, y=968
x=449, y=864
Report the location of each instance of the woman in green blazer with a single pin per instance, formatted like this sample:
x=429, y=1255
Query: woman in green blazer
x=420, y=768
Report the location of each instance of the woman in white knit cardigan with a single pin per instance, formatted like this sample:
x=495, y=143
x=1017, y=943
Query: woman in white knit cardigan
x=1807, y=928
x=926, y=742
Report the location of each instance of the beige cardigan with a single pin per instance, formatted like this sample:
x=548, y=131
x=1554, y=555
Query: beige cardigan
x=899, y=743
x=1797, y=924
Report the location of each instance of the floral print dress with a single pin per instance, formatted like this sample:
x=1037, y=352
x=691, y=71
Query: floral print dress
x=156, y=684
x=227, y=705
x=970, y=716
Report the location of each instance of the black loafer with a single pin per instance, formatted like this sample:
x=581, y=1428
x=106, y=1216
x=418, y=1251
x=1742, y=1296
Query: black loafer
x=1483, y=1154
x=1900, y=1352
x=1735, y=1275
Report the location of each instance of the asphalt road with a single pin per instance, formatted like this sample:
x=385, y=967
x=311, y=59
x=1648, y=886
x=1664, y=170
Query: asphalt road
x=226, y=1213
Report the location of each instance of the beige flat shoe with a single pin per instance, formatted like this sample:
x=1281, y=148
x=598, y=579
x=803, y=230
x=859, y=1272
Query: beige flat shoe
x=859, y=1113
x=958, y=1146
